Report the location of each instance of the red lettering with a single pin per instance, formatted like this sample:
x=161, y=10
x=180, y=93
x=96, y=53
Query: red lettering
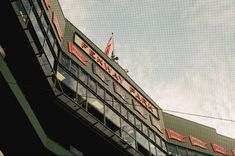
x=138, y=96
x=107, y=68
x=115, y=76
x=120, y=79
x=84, y=45
x=99, y=60
x=143, y=101
x=132, y=90
x=92, y=53
x=47, y=4
x=150, y=107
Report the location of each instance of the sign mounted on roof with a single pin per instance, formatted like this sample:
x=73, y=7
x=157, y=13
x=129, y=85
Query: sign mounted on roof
x=197, y=142
x=175, y=135
x=114, y=74
x=219, y=149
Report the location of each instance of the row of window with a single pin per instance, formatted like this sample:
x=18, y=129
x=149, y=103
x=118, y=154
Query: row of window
x=108, y=98
x=108, y=111
x=180, y=151
x=42, y=28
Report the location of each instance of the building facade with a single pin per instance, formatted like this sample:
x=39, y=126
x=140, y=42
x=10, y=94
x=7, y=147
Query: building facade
x=74, y=100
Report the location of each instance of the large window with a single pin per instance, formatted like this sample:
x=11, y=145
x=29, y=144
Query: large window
x=152, y=150
x=26, y=5
x=83, y=76
x=172, y=150
x=37, y=7
x=128, y=133
x=143, y=144
x=183, y=152
x=100, y=91
x=108, y=98
x=48, y=54
x=112, y=119
x=81, y=92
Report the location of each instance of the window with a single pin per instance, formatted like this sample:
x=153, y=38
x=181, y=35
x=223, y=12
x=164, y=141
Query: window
x=26, y=5
x=100, y=91
x=37, y=28
x=95, y=106
x=124, y=112
x=183, y=152
x=159, y=152
x=145, y=129
x=56, y=50
x=51, y=38
x=37, y=7
x=139, y=108
x=131, y=118
x=64, y=60
x=151, y=135
x=81, y=91
x=172, y=150
x=116, y=105
x=108, y=98
x=44, y=23
x=83, y=76
x=138, y=124
x=74, y=69
x=112, y=119
x=152, y=150
x=127, y=128
x=48, y=54
x=163, y=145
x=128, y=133
x=143, y=144
x=92, y=85
x=158, y=140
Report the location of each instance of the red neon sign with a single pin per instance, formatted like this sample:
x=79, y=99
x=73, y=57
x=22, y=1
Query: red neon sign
x=72, y=49
x=219, y=149
x=174, y=135
x=197, y=142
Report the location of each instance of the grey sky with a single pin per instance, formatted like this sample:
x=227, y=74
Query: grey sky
x=181, y=52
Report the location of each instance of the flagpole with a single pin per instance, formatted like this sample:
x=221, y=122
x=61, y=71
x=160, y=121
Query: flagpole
x=113, y=57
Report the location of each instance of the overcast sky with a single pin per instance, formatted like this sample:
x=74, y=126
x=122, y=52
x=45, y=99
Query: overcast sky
x=181, y=52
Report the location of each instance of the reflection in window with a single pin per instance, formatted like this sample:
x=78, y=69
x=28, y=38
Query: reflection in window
x=48, y=54
x=138, y=123
x=83, y=76
x=190, y=153
x=158, y=140
x=127, y=138
x=37, y=7
x=163, y=145
x=131, y=118
x=74, y=69
x=100, y=91
x=116, y=105
x=151, y=135
x=128, y=133
x=56, y=49
x=44, y=23
x=112, y=119
x=152, y=150
x=64, y=60
x=108, y=98
x=51, y=38
x=37, y=28
x=143, y=144
x=66, y=79
x=26, y=5
x=159, y=152
x=92, y=85
x=81, y=91
x=124, y=112
x=172, y=149
x=145, y=129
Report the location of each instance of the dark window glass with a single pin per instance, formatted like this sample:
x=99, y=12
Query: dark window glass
x=182, y=152
x=95, y=106
x=151, y=135
x=26, y=5
x=108, y=98
x=163, y=145
x=100, y=91
x=138, y=124
x=116, y=105
x=66, y=79
x=112, y=119
x=131, y=118
x=74, y=69
x=64, y=60
x=83, y=76
x=92, y=85
x=48, y=54
x=124, y=112
x=152, y=150
x=143, y=144
x=159, y=152
x=172, y=150
x=81, y=91
x=37, y=7
x=37, y=28
x=51, y=38
x=44, y=23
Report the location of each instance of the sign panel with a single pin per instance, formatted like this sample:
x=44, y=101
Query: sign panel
x=139, y=108
x=219, y=149
x=120, y=91
x=73, y=50
x=47, y=4
x=174, y=135
x=156, y=123
x=57, y=26
x=197, y=142
x=99, y=72
x=113, y=73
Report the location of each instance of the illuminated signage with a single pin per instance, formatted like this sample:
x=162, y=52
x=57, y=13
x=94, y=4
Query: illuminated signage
x=47, y=4
x=219, y=149
x=156, y=123
x=73, y=50
x=99, y=72
x=174, y=135
x=57, y=25
x=82, y=44
x=197, y=142
x=119, y=91
x=233, y=152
